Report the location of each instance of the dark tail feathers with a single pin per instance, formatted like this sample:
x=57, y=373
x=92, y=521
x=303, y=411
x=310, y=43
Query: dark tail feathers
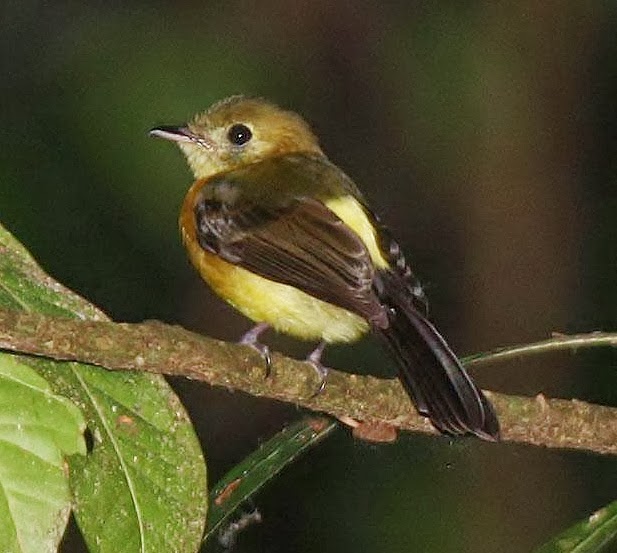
x=430, y=372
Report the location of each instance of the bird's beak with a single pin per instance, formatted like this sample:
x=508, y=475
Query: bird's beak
x=174, y=133
x=182, y=134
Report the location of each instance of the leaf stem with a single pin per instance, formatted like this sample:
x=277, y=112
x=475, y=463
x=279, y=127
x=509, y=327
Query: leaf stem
x=560, y=342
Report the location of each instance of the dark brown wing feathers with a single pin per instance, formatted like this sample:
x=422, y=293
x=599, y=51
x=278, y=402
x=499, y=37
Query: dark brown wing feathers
x=304, y=245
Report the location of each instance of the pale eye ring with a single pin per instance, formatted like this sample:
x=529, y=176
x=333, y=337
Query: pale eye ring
x=239, y=134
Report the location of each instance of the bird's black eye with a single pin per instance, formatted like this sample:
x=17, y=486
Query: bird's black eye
x=239, y=134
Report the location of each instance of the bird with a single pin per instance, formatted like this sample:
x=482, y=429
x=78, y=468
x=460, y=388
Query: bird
x=286, y=237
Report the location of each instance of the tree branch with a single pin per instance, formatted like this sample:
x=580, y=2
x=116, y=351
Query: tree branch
x=172, y=350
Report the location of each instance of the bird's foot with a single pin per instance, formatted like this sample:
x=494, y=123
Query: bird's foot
x=251, y=338
x=314, y=358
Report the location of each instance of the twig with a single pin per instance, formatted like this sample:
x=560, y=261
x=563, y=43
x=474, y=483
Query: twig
x=560, y=342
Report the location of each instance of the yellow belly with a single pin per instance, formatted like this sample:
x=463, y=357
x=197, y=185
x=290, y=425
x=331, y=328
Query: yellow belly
x=286, y=309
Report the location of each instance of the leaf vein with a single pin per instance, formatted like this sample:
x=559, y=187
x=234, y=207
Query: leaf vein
x=117, y=449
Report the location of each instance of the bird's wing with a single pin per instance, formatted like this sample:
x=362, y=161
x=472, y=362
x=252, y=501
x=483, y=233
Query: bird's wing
x=299, y=242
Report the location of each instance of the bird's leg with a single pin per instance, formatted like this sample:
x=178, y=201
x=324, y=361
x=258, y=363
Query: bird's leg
x=251, y=338
x=314, y=358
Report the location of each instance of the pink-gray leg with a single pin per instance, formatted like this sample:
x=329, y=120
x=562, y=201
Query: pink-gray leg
x=314, y=358
x=251, y=338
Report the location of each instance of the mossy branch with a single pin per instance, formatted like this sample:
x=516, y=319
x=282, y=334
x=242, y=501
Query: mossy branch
x=172, y=350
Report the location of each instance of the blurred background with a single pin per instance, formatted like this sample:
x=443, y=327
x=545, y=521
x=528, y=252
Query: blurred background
x=484, y=133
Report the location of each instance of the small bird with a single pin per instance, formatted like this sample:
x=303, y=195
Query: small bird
x=285, y=236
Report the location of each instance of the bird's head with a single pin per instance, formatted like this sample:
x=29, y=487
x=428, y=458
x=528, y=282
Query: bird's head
x=239, y=131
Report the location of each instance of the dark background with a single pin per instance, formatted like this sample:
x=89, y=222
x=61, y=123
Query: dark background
x=485, y=135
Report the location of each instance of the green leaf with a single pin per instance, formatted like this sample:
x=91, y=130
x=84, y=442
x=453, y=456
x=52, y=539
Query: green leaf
x=37, y=429
x=143, y=487
x=249, y=476
x=592, y=535
x=24, y=285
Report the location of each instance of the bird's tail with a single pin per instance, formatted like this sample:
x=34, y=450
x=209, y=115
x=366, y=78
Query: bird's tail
x=430, y=372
